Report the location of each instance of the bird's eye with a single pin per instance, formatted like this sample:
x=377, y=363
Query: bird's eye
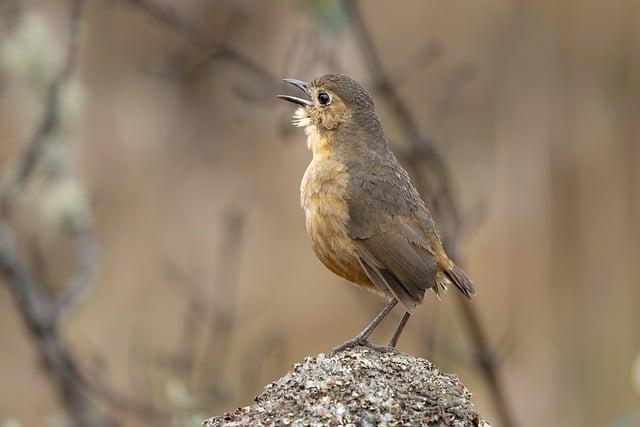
x=324, y=98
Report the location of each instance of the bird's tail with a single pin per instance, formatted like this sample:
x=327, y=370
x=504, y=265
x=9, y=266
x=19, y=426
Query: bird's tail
x=461, y=280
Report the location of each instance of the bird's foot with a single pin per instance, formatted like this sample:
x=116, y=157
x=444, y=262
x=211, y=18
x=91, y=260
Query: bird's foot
x=361, y=342
x=381, y=348
x=347, y=345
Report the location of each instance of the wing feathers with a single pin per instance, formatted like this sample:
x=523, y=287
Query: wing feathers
x=461, y=280
x=388, y=284
x=405, y=267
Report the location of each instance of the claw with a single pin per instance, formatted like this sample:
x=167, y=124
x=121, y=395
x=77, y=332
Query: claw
x=361, y=338
x=381, y=348
x=364, y=343
x=347, y=345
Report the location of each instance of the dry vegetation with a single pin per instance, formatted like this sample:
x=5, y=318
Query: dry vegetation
x=153, y=259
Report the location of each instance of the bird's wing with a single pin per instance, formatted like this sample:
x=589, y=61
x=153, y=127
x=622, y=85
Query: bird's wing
x=400, y=261
x=397, y=242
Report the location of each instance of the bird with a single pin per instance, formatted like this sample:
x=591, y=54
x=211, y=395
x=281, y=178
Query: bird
x=366, y=221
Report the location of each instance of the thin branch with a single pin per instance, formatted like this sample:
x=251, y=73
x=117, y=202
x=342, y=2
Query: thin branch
x=27, y=163
x=30, y=298
x=138, y=408
x=39, y=262
x=444, y=201
x=218, y=50
x=167, y=15
x=428, y=53
x=192, y=324
x=85, y=250
x=51, y=117
x=39, y=315
x=487, y=362
x=38, y=309
x=422, y=150
x=223, y=320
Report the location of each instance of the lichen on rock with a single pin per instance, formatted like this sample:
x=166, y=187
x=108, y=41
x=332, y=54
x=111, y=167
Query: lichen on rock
x=359, y=387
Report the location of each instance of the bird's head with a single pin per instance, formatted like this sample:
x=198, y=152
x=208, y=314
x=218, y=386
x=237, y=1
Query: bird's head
x=332, y=102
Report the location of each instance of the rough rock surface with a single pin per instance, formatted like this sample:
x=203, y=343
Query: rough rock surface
x=359, y=387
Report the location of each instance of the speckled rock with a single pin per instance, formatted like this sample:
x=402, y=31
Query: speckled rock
x=359, y=387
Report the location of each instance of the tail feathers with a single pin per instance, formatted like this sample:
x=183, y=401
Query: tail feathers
x=461, y=280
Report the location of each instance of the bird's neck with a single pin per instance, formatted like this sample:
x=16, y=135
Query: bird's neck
x=345, y=143
x=319, y=143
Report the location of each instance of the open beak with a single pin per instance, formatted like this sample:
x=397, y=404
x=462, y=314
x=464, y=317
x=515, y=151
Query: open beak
x=303, y=86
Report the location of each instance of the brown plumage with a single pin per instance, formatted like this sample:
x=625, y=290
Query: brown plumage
x=366, y=221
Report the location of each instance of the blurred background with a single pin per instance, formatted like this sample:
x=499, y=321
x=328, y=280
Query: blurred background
x=154, y=264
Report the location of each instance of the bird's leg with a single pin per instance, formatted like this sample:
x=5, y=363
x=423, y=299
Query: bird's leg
x=361, y=338
x=396, y=334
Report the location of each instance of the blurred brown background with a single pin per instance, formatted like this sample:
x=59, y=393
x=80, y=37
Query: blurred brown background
x=187, y=170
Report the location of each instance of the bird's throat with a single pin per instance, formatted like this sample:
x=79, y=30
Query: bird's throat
x=316, y=141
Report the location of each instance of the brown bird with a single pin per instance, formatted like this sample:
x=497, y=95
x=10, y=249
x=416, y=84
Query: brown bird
x=366, y=221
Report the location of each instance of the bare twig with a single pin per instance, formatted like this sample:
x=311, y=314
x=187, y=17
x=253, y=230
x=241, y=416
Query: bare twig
x=168, y=16
x=441, y=198
x=224, y=315
x=457, y=77
x=27, y=163
x=218, y=50
x=38, y=309
x=85, y=250
x=138, y=408
x=39, y=315
x=425, y=55
x=192, y=325
x=208, y=328
x=487, y=362
x=422, y=151
x=50, y=118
